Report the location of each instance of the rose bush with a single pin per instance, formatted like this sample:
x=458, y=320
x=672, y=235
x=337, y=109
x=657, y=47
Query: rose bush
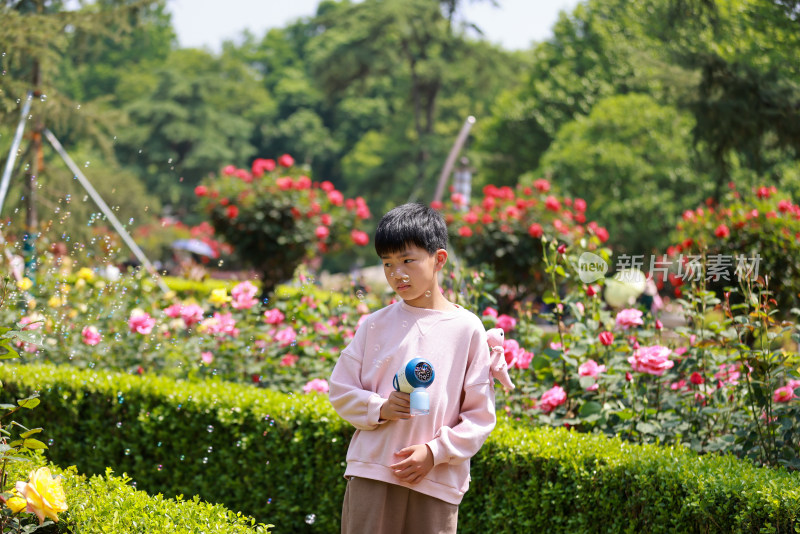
x=750, y=232
x=503, y=230
x=274, y=216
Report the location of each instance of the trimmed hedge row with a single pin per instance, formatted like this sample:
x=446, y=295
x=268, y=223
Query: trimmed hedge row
x=107, y=503
x=280, y=458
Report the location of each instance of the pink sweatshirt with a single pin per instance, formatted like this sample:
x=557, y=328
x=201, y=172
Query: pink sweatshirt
x=461, y=396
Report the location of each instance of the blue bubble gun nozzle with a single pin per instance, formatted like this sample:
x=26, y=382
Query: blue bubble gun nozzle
x=414, y=377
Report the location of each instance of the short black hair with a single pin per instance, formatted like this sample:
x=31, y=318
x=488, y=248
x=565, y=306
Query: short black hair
x=411, y=224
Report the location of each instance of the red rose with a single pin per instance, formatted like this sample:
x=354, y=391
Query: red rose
x=535, y=230
x=606, y=338
x=260, y=166
x=322, y=232
x=552, y=204
x=465, y=231
x=201, y=190
x=437, y=204
x=696, y=379
x=359, y=238
x=602, y=233
x=562, y=248
x=336, y=198
x=232, y=212
x=722, y=231
x=286, y=160
x=542, y=185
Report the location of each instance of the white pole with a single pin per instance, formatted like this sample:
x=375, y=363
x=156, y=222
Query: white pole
x=105, y=209
x=12, y=154
x=451, y=158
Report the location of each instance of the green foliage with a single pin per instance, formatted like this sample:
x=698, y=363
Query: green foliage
x=196, y=113
x=107, y=503
x=291, y=450
x=632, y=161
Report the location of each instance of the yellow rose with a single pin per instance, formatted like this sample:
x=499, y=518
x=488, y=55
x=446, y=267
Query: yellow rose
x=25, y=284
x=85, y=273
x=32, y=304
x=43, y=494
x=16, y=503
x=54, y=302
x=219, y=296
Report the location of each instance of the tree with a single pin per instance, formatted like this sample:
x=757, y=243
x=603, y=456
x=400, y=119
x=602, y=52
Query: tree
x=189, y=117
x=631, y=160
x=747, y=99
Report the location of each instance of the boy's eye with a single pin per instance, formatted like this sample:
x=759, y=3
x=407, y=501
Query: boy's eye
x=408, y=261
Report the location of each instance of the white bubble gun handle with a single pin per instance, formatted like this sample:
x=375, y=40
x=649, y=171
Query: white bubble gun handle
x=414, y=377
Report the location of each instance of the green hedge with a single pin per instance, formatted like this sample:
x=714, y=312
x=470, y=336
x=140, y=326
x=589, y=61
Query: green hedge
x=107, y=503
x=280, y=458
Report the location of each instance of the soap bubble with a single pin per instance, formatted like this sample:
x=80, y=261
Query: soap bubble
x=310, y=518
x=210, y=428
x=405, y=279
x=360, y=295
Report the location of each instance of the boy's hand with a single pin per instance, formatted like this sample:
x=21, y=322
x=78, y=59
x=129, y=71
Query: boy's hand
x=417, y=463
x=398, y=406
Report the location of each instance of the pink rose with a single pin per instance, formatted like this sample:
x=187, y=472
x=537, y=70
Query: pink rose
x=289, y=360
x=783, y=394
x=191, y=314
x=524, y=360
x=243, y=294
x=90, y=335
x=286, y=336
x=590, y=368
x=141, y=323
x=221, y=323
x=318, y=384
x=729, y=374
x=206, y=357
x=552, y=398
x=322, y=232
x=274, y=316
x=506, y=322
x=629, y=317
x=511, y=351
x=491, y=312
x=652, y=360
x=173, y=311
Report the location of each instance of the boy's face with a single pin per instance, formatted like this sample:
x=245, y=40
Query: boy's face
x=412, y=274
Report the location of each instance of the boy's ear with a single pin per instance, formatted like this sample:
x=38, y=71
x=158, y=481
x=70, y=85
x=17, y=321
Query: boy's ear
x=441, y=258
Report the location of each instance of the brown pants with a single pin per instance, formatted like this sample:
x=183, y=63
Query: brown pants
x=375, y=507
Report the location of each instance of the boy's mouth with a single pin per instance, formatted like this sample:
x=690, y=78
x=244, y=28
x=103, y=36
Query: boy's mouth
x=402, y=287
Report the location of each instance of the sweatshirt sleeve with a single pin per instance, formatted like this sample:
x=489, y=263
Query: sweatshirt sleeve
x=355, y=404
x=477, y=415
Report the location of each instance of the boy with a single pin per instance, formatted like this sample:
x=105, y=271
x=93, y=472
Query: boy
x=409, y=473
